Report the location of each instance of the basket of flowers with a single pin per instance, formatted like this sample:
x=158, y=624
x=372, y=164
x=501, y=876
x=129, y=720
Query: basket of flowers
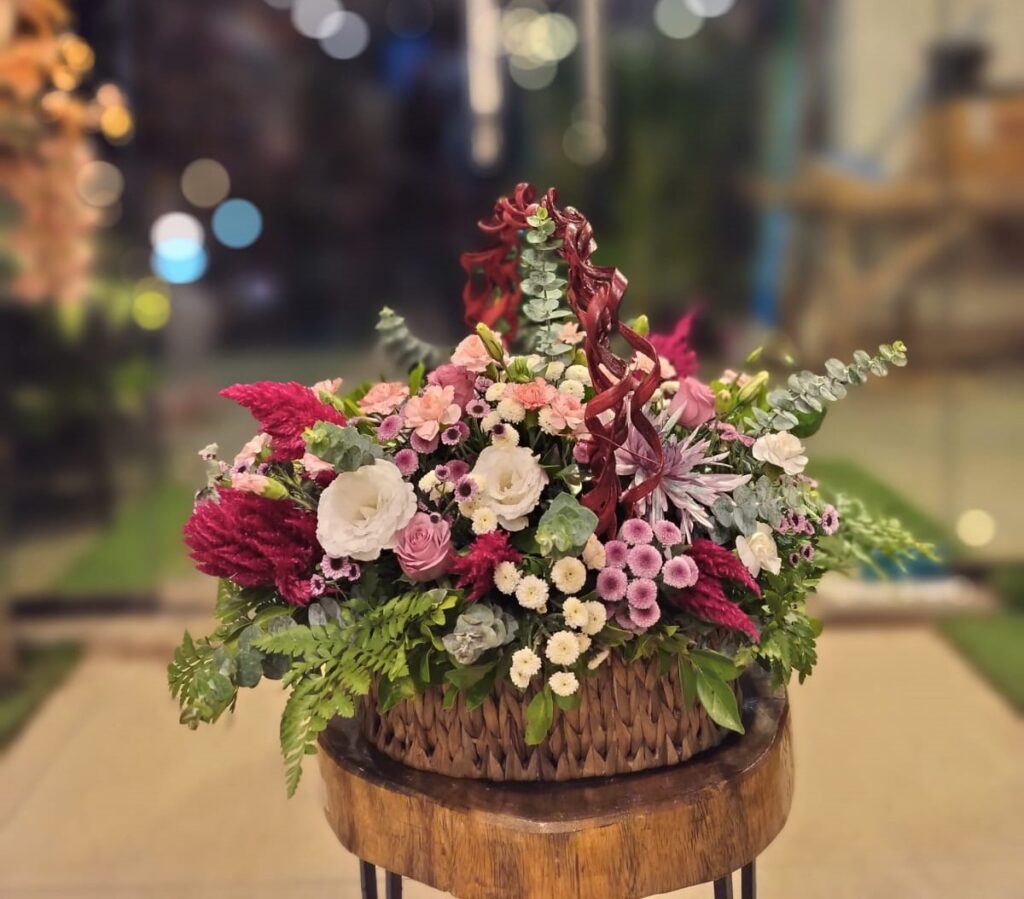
x=547, y=554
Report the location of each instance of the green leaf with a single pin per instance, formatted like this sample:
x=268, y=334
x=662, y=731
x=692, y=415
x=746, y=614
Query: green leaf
x=568, y=703
x=719, y=700
x=343, y=447
x=416, y=378
x=565, y=526
x=249, y=670
x=463, y=678
x=687, y=681
x=714, y=663
x=539, y=715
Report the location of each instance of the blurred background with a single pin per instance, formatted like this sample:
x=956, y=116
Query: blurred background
x=194, y=194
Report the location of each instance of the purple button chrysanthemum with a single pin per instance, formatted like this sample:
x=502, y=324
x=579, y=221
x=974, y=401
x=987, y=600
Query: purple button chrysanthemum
x=642, y=593
x=667, y=533
x=830, y=520
x=636, y=530
x=615, y=552
x=644, y=618
x=644, y=561
x=611, y=584
x=389, y=428
x=477, y=408
x=455, y=434
x=407, y=461
x=680, y=572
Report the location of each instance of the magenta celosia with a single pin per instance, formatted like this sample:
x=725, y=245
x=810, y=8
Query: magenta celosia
x=284, y=411
x=706, y=599
x=255, y=542
x=475, y=569
x=675, y=347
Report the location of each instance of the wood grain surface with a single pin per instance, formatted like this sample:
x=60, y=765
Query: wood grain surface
x=620, y=837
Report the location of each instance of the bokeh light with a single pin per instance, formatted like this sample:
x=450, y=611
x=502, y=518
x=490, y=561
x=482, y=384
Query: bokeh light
x=99, y=183
x=63, y=78
x=205, y=183
x=176, y=226
x=532, y=37
x=350, y=38
x=77, y=53
x=237, y=223
x=584, y=143
x=179, y=261
x=316, y=18
x=116, y=123
x=151, y=309
x=976, y=527
x=409, y=18
x=532, y=77
x=709, y=9
x=676, y=20
x=279, y=4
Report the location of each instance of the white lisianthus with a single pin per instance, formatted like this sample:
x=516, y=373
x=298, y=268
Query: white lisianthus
x=484, y=520
x=511, y=410
x=512, y=481
x=759, y=551
x=573, y=389
x=597, y=617
x=563, y=683
x=532, y=592
x=569, y=575
x=575, y=613
x=578, y=373
x=783, y=450
x=361, y=511
x=506, y=577
x=562, y=648
x=593, y=554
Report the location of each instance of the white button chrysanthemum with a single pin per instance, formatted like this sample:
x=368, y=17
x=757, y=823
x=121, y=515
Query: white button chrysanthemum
x=508, y=437
x=578, y=373
x=593, y=554
x=554, y=371
x=428, y=482
x=526, y=660
x=511, y=410
x=532, y=592
x=584, y=642
x=575, y=613
x=495, y=391
x=573, y=389
x=599, y=659
x=563, y=683
x=546, y=420
x=562, y=648
x=489, y=421
x=597, y=617
x=484, y=520
x=506, y=577
x=569, y=575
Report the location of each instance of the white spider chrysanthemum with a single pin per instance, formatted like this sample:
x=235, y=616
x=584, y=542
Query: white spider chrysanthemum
x=562, y=648
x=597, y=617
x=569, y=575
x=563, y=683
x=532, y=592
x=506, y=577
x=511, y=410
x=575, y=613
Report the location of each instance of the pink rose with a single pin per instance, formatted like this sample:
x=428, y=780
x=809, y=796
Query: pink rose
x=427, y=414
x=384, y=398
x=533, y=395
x=696, y=402
x=472, y=355
x=424, y=547
x=461, y=379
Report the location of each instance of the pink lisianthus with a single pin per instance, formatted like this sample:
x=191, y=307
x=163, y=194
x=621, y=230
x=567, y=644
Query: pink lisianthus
x=424, y=547
x=461, y=380
x=383, y=398
x=428, y=413
x=251, y=483
x=472, y=355
x=534, y=395
x=695, y=402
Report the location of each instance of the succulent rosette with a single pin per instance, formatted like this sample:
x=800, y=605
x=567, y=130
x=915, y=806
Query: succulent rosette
x=559, y=487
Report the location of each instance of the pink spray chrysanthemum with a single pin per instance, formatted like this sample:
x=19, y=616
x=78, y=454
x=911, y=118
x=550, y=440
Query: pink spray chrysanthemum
x=636, y=530
x=615, y=553
x=407, y=461
x=455, y=434
x=466, y=489
x=645, y=618
x=667, y=533
x=680, y=572
x=829, y=520
x=644, y=561
x=389, y=428
x=611, y=584
x=477, y=408
x=642, y=593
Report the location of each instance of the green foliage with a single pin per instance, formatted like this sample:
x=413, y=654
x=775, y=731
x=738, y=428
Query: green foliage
x=543, y=287
x=539, y=715
x=403, y=346
x=718, y=699
x=336, y=663
x=800, y=404
x=343, y=447
x=565, y=526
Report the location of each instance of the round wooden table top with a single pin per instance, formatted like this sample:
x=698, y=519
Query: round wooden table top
x=603, y=838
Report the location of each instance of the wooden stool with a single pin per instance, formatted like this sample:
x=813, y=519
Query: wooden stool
x=608, y=838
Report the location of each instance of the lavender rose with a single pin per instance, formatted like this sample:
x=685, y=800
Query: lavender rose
x=424, y=547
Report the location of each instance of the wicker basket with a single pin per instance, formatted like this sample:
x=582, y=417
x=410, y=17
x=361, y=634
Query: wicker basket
x=630, y=718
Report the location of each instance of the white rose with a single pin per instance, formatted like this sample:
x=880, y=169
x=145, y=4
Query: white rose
x=361, y=511
x=512, y=481
x=783, y=450
x=759, y=551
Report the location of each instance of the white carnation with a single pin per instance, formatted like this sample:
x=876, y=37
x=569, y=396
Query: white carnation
x=575, y=613
x=569, y=575
x=506, y=577
x=512, y=481
x=597, y=617
x=532, y=592
x=563, y=683
x=361, y=511
x=562, y=648
x=782, y=449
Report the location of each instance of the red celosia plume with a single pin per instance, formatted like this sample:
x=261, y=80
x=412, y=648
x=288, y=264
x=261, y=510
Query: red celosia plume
x=675, y=347
x=707, y=600
x=284, y=411
x=475, y=570
x=255, y=542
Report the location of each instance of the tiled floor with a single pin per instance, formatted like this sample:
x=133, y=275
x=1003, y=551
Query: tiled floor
x=909, y=784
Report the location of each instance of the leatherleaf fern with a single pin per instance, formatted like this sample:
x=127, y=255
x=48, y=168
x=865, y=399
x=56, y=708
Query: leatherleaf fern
x=336, y=663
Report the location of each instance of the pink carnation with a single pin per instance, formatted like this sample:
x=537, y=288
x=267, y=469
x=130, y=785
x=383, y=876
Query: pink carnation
x=566, y=413
x=424, y=547
x=427, y=414
x=472, y=355
x=383, y=398
x=534, y=395
x=459, y=379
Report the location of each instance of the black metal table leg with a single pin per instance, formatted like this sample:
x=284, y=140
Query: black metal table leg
x=748, y=881
x=392, y=886
x=723, y=887
x=368, y=880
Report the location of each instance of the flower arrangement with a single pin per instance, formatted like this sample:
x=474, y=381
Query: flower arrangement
x=560, y=489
